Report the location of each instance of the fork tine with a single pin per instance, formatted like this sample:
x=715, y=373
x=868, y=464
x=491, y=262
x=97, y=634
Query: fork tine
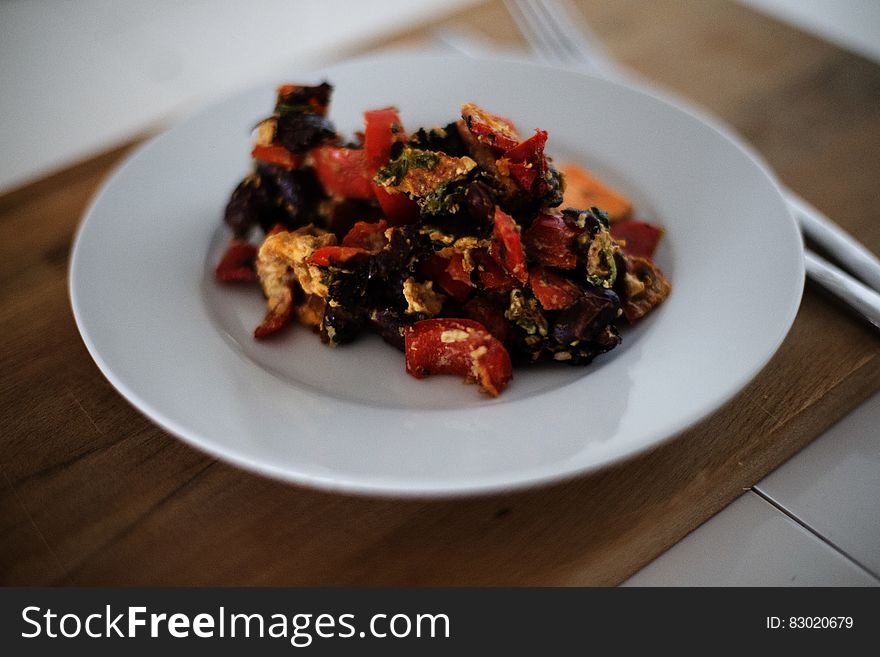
x=575, y=34
x=554, y=32
x=530, y=24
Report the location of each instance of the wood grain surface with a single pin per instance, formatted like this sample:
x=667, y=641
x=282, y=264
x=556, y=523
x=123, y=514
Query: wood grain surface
x=93, y=493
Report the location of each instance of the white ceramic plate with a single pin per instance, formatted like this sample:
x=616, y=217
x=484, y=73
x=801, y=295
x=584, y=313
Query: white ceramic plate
x=178, y=346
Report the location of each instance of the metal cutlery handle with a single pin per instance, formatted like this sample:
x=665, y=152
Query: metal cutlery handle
x=549, y=30
x=835, y=240
x=860, y=297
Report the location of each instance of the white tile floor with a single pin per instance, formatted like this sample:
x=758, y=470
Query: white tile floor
x=833, y=485
x=752, y=543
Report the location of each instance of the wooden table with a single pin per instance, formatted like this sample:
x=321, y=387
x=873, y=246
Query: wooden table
x=93, y=493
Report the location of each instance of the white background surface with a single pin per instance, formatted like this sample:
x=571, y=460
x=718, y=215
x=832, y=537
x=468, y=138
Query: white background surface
x=78, y=77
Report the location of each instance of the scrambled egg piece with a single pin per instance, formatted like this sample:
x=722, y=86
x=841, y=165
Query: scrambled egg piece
x=282, y=260
x=421, y=297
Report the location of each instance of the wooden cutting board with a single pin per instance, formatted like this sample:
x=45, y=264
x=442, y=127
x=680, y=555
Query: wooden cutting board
x=93, y=493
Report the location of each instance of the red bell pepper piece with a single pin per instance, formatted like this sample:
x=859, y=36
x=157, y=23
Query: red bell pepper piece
x=550, y=240
x=458, y=346
x=449, y=274
x=335, y=256
x=551, y=290
x=529, y=150
x=237, y=262
x=491, y=275
x=343, y=171
x=638, y=238
x=369, y=235
x=277, y=154
x=382, y=127
x=506, y=246
x=527, y=164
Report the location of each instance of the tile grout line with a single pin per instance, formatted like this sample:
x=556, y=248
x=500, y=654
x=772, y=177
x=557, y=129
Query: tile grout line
x=788, y=514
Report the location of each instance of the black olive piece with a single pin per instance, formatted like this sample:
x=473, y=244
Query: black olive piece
x=586, y=317
x=555, y=187
x=593, y=218
x=396, y=150
x=341, y=324
x=305, y=97
x=480, y=202
x=294, y=196
x=446, y=140
x=389, y=323
x=248, y=203
x=298, y=132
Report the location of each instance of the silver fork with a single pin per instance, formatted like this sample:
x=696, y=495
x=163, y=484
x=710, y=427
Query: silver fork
x=558, y=38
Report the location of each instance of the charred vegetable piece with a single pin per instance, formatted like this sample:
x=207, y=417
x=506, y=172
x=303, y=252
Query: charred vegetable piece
x=301, y=122
x=445, y=139
x=303, y=99
x=552, y=290
x=237, y=262
x=343, y=171
x=583, y=190
x=644, y=287
x=638, y=238
x=397, y=261
x=461, y=347
x=493, y=131
x=506, y=246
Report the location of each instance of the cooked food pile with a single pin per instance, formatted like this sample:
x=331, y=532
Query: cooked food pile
x=461, y=245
